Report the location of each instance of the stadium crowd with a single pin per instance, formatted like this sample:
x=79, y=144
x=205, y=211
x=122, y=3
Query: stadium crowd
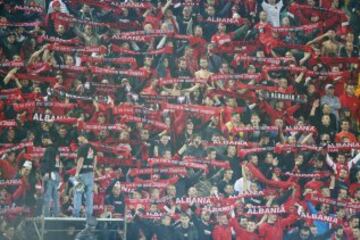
x=200, y=119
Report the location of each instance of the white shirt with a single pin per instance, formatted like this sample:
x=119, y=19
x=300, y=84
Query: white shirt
x=273, y=12
x=239, y=185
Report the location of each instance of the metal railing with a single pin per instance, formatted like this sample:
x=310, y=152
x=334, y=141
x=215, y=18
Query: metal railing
x=48, y=227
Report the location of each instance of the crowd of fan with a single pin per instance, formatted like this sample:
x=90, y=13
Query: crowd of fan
x=205, y=119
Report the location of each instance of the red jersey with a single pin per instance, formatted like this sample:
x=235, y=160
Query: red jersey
x=352, y=103
x=276, y=231
x=242, y=233
x=348, y=135
x=154, y=20
x=198, y=44
x=264, y=32
x=223, y=42
x=221, y=232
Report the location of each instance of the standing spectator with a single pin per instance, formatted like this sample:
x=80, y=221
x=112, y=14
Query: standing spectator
x=50, y=169
x=86, y=163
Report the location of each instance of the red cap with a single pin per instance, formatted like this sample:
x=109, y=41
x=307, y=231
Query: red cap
x=56, y=4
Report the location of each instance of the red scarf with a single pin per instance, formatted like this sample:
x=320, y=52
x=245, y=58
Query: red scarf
x=17, y=147
x=219, y=76
x=148, y=171
x=226, y=21
x=19, y=24
x=69, y=49
x=120, y=60
x=8, y=123
x=57, y=40
x=166, y=162
x=28, y=9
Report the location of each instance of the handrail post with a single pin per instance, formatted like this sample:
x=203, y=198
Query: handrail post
x=125, y=222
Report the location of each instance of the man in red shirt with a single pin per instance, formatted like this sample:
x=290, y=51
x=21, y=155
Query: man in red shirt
x=350, y=101
x=264, y=28
x=248, y=233
x=274, y=228
x=222, y=231
x=224, y=41
x=345, y=127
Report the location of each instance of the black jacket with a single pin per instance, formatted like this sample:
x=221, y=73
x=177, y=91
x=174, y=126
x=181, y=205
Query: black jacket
x=190, y=233
x=204, y=229
x=51, y=160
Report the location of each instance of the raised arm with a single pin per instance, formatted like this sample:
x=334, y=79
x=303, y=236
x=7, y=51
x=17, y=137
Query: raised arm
x=10, y=75
x=330, y=162
x=236, y=226
x=79, y=33
x=306, y=138
x=166, y=6
x=289, y=220
x=318, y=39
x=300, y=77
x=353, y=161
x=245, y=181
x=36, y=54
